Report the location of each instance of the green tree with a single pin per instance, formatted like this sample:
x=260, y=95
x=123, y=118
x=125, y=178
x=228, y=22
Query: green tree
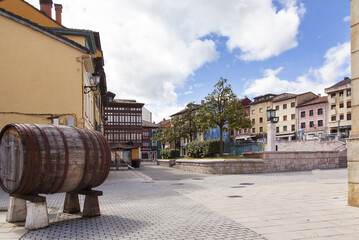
x=222, y=109
x=188, y=119
x=172, y=133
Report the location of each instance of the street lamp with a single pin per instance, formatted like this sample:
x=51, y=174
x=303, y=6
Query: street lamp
x=271, y=116
x=94, y=83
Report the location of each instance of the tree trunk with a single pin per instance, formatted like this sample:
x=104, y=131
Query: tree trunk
x=220, y=141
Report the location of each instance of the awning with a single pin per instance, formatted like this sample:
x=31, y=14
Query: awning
x=285, y=135
x=243, y=137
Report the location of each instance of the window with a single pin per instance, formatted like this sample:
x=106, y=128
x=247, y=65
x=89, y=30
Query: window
x=253, y=121
x=332, y=107
x=311, y=113
x=245, y=130
x=55, y=121
x=341, y=105
x=70, y=122
x=341, y=116
x=349, y=116
x=349, y=92
x=253, y=130
x=261, y=110
x=284, y=106
x=334, y=118
x=285, y=118
x=302, y=114
x=333, y=95
x=284, y=128
x=302, y=125
x=277, y=129
x=320, y=123
x=311, y=124
x=293, y=127
x=292, y=105
x=261, y=120
x=253, y=111
x=292, y=116
x=341, y=94
x=277, y=107
x=261, y=129
x=320, y=111
x=349, y=104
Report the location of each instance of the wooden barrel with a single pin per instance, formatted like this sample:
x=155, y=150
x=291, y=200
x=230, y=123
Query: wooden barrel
x=38, y=158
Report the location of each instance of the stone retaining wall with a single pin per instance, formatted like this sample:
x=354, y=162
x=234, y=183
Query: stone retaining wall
x=310, y=145
x=166, y=162
x=221, y=166
x=297, y=161
x=261, y=162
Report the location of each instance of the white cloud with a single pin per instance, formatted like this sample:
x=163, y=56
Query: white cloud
x=152, y=47
x=346, y=19
x=336, y=66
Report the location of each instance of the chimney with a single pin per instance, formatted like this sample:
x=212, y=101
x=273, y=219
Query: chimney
x=319, y=95
x=58, y=10
x=46, y=7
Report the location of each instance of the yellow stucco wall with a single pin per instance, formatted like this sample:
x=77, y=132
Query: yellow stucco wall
x=258, y=111
x=40, y=75
x=286, y=112
x=27, y=11
x=79, y=39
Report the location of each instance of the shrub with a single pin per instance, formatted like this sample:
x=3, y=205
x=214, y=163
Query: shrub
x=170, y=153
x=207, y=148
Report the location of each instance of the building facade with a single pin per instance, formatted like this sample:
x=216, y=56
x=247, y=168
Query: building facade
x=285, y=105
x=124, y=123
x=312, y=118
x=150, y=149
x=258, y=113
x=244, y=133
x=340, y=104
x=46, y=74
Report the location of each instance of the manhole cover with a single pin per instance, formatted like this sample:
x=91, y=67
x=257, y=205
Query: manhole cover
x=238, y=186
x=234, y=196
x=246, y=183
x=178, y=184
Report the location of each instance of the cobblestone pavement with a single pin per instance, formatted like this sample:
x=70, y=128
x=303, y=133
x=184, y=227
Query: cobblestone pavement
x=165, y=203
x=136, y=207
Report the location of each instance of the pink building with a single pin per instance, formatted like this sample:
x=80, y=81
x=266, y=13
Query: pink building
x=312, y=118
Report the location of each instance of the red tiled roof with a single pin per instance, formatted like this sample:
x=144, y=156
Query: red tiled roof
x=164, y=122
x=314, y=101
x=149, y=124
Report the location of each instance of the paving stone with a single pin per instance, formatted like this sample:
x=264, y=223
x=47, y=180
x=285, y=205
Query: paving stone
x=177, y=206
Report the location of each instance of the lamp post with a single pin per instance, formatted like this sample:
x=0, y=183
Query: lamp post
x=271, y=121
x=338, y=131
x=94, y=83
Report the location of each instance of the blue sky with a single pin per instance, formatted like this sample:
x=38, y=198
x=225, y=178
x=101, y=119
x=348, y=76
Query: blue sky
x=323, y=26
x=168, y=53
